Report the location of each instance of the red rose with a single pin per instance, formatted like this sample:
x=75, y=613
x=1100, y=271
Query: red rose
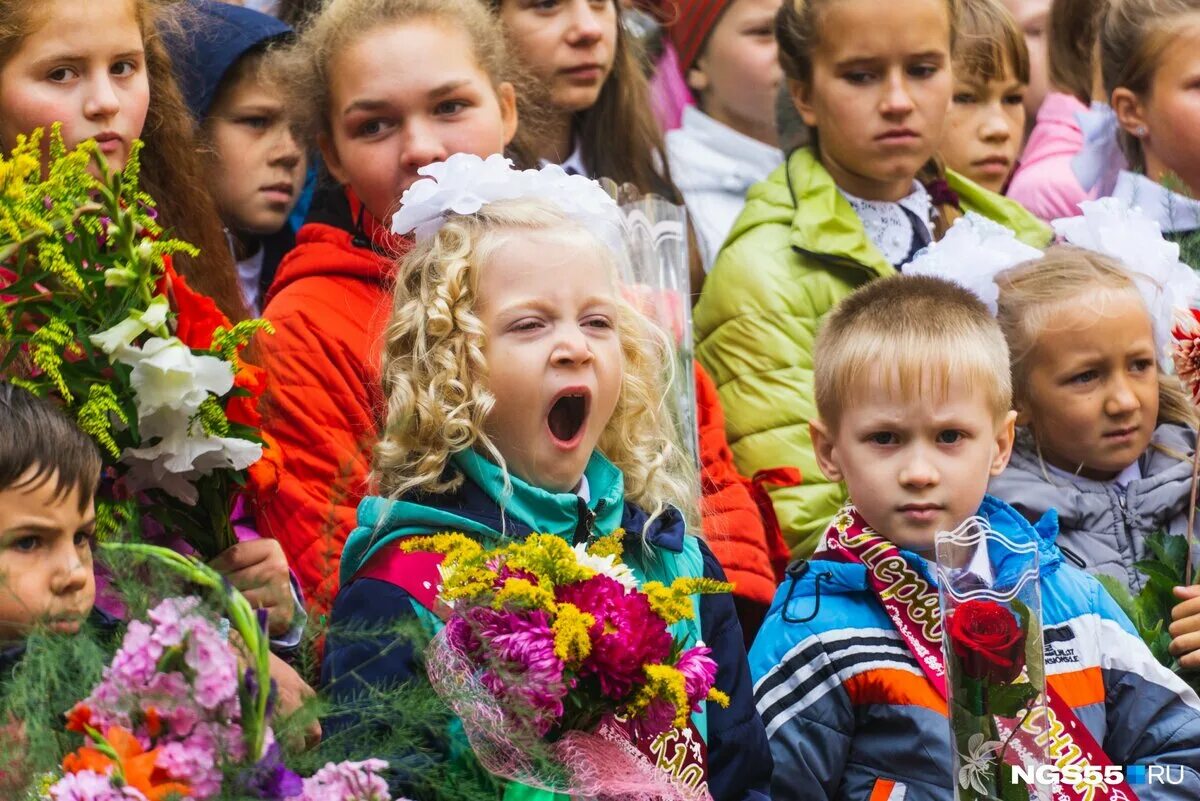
x=988, y=640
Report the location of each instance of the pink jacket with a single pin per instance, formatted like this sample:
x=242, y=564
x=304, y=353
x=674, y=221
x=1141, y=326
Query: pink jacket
x=1045, y=183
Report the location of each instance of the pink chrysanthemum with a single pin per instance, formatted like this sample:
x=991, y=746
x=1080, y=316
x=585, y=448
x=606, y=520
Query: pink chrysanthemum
x=626, y=636
x=699, y=673
x=523, y=664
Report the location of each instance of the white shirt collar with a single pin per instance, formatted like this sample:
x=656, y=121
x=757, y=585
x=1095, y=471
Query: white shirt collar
x=1172, y=211
x=574, y=162
x=583, y=490
x=889, y=228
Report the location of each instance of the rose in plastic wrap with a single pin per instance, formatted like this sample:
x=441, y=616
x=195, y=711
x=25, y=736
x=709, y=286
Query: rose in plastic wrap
x=988, y=640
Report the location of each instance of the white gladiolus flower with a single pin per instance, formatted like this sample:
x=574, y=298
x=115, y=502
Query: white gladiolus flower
x=166, y=374
x=179, y=458
x=121, y=335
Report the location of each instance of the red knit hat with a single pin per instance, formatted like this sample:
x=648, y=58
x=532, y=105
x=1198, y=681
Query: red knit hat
x=689, y=23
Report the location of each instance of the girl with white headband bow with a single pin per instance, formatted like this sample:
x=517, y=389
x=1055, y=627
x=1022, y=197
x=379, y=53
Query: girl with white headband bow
x=1105, y=434
x=524, y=394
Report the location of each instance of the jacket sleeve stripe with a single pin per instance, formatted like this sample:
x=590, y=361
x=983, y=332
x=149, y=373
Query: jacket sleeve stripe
x=824, y=677
x=802, y=661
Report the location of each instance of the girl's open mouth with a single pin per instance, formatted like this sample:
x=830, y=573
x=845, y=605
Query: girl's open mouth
x=567, y=416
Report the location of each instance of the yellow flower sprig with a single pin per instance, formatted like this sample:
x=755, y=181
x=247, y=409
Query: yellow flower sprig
x=674, y=603
x=572, y=641
x=97, y=415
x=609, y=545
x=548, y=557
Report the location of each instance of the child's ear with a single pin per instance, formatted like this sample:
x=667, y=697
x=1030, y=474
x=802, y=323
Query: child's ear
x=802, y=99
x=1131, y=113
x=1004, y=443
x=332, y=162
x=826, y=452
x=697, y=79
x=507, y=95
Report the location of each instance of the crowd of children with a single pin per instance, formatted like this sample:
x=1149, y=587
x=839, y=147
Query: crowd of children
x=475, y=366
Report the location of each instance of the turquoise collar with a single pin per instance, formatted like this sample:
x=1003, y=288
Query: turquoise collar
x=555, y=512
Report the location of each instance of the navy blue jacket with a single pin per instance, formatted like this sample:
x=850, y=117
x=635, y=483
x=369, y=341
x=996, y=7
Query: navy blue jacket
x=739, y=758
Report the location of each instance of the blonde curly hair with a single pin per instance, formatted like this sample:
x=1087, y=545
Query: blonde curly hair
x=435, y=374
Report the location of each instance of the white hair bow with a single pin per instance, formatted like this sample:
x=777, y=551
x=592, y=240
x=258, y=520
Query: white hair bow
x=465, y=183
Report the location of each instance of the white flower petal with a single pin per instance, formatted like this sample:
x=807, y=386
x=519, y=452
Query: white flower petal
x=1111, y=227
x=167, y=374
x=972, y=253
x=112, y=340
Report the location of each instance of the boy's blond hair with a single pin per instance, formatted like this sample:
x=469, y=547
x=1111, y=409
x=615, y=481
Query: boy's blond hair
x=920, y=334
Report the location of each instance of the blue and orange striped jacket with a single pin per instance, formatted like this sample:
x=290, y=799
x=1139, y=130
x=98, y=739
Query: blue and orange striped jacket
x=850, y=715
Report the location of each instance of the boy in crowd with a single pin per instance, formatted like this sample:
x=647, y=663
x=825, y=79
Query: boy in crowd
x=914, y=398
x=49, y=472
x=256, y=168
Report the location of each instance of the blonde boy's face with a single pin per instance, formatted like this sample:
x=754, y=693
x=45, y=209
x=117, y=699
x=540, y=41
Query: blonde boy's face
x=985, y=128
x=914, y=466
x=45, y=559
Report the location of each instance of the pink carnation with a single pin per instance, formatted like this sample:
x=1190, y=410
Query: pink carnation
x=196, y=759
x=173, y=619
x=627, y=634
x=215, y=666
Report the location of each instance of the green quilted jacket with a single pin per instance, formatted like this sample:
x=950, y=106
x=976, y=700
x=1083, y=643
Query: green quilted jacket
x=796, y=250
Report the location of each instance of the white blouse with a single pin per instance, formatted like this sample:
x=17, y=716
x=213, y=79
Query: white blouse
x=888, y=227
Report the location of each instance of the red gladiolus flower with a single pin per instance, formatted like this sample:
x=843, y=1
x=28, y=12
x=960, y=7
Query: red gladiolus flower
x=136, y=765
x=198, y=315
x=79, y=718
x=988, y=641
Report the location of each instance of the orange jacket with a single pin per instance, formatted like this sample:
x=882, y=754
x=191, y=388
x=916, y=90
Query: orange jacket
x=739, y=522
x=329, y=305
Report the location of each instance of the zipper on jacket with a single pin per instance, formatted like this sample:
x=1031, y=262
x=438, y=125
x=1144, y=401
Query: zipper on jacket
x=1127, y=518
x=584, y=529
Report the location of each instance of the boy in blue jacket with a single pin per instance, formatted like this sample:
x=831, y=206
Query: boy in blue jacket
x=913, y=396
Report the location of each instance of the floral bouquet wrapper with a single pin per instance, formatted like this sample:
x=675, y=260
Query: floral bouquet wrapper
x=563, y=671
x=657, y=280
x=995, y=677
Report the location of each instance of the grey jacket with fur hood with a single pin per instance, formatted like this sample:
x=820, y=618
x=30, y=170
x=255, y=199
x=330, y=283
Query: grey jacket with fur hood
x=1101, y=527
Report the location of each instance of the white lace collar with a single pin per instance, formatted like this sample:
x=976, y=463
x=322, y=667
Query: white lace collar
x=1172, y=211
x=888, y=227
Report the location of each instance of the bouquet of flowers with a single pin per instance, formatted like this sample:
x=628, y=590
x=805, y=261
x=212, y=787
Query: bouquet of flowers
x=92, y=313
x=175, y=717
x=995, y=680
x=562, y=669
